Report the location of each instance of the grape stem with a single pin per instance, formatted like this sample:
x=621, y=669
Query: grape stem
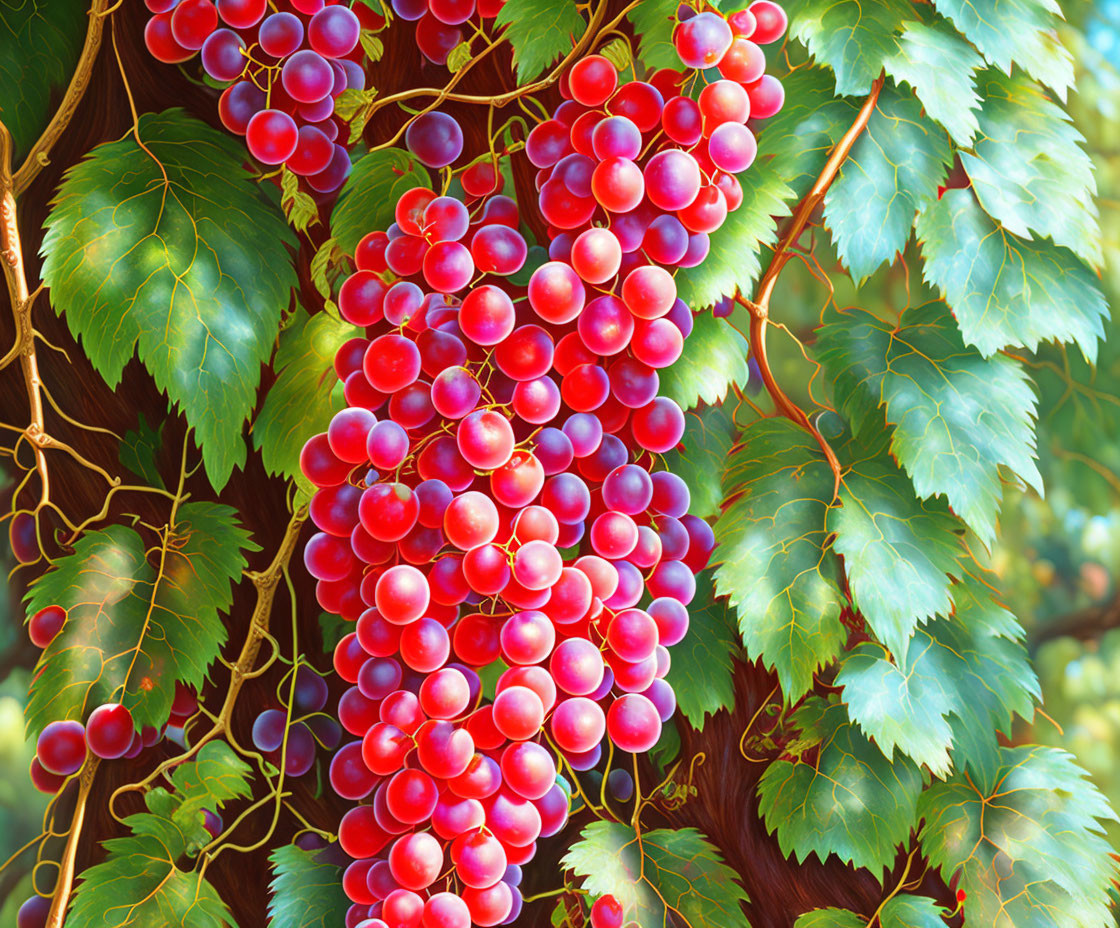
x=759, y=307
x=37, y=158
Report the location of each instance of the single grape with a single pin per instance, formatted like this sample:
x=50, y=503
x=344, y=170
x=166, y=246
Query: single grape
x=109, y=731
x=435, y=139
x=61, y=748
x=222, y=55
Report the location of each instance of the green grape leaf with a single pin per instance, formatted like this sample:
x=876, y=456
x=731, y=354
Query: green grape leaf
x=897, y=912
x=714, y=358
x=675, y=868
x=853, y=38
x=958, y=417
x=898, y=552
x=302, y=400
x=170, y=248
x=852, y=802
x=1029, y=852
x=369, y=196
x=996, y=681
x=905, y=911
x=306, y=890
x=139, y=882
x=1006, y=290
x=299, y=206
x=1015, y=31
x=941, y=67
x=702, y=671
x=40, y=43
x=830, y=918
x=796, y=140
x=136, y=625
x=138, y=451
x=1028, y=168
x=709, y=433
x=896, y=163
x=961, y=680
x=776, y=567
x=215, y=775
x=653, y=22
x=733, y=259
x=541, y=33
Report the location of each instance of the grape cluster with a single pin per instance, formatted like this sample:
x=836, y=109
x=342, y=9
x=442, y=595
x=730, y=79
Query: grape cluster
x=109, y=732
x=491, y=493
x=287, y=736
x=439, y=22
x=285, y=65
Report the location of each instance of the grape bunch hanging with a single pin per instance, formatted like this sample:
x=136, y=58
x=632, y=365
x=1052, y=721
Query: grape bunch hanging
x=493, y=491
x=285, y=69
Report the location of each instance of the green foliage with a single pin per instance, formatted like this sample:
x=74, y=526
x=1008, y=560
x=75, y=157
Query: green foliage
x=169, y=247
x=370, y=194
x=1019, y=31
x=1029, y=851
x=850, y=801
x=941, y=67
x=138, y=452
x=733, y=260
x=677, y=868
x=1007, y=290
x=897, y=163
x=775, y=566
x=541, y=33
x=144, y=880
x=653, y=22
x=898, y=552
x=958, y=417
x=853, y=38
x=961, y=680
x=135, y=625
x=709, y=433
x=795, y=142
x=1028, y=168
x=40, y=41
x=701, y=671
x=306, y=890
x=714, y=358
x=901, y=911
x=302, y=400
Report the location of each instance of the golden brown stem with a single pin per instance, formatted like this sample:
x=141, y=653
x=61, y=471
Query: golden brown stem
x=37, y=158
x=61, y=898
x=759, y=307
x=11, y=252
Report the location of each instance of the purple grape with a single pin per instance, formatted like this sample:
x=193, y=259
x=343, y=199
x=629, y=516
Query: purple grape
x=333, y=31
x=334, y=175
x=435, y=139
x=280, y=34
x=221, y=55
x=307, y=77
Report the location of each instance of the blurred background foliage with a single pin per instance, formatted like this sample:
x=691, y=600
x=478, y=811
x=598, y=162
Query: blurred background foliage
x=1058, y=557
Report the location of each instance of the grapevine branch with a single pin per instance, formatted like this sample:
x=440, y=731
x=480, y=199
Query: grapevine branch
x=61, y=898
x=21, y=300
x=759, y=307
x=37, y=158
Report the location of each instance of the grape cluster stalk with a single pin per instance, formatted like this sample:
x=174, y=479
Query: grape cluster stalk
x=493, y=495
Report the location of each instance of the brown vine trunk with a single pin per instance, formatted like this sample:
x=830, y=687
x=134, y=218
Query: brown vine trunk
x=725, y=808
